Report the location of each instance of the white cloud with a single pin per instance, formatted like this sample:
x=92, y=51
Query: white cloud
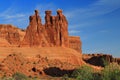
x=7, y=16
x=11, y=13
x=87, y=16
x=11, y=16
x=16, y=16
x=74, y=32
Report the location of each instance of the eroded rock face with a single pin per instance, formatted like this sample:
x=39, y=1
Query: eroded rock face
x=35, y=33
x=98, y=59
x=10, y=34
x=62, y=29
x=53, y=33
x=34, y=66
x=57, y=29
x=75, y=43
x=50, y=28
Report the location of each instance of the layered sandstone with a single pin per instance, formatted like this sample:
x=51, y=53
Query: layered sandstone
x=54, y=33
x=75, y=43
x=61, y=53
x=10, y=35
x=35, y=33
x=41, y=62
x=57, y=28
x=62, y=29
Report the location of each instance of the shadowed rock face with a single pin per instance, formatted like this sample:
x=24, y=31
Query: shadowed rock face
x=99, y=59
x=50, y=28
x=57, y=72
x=57, y=29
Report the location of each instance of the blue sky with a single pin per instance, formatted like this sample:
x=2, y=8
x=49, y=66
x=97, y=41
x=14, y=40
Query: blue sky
x=97, y=22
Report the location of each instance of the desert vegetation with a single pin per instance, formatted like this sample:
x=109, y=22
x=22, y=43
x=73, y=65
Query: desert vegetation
x=110, y=72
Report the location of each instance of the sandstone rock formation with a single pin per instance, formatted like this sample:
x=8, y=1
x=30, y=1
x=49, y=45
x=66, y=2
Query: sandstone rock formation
x=75, y=43
x=52, y=46
x=63, y=54
x=39, y=61
x=57, y=28
x=47, y=48
x=35, y=33
x=34, y=66
x=50, y=28
x=54, y=33
x=117, y=60
x=62, y=29
x=9, y=35
x=98, y=59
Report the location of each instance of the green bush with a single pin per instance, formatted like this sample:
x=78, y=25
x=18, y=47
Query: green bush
x=83, y=73
x=19, y=76
x=105, y=62
x=65, y=77
x=7, y=78
x=111, y=72
x=97, y=76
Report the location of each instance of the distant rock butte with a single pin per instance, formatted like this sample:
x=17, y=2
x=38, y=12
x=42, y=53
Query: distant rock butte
x=54, y=33
x=99, y=59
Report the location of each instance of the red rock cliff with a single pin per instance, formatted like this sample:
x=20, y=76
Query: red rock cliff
x=9, y=35
x=57, y=29
x=75, y=43
x=35, y=34
x=53, y=33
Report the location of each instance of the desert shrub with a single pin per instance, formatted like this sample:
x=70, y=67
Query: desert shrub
x=105, y=62
x=83, y=73
x=97, y=76
x=19, y=76
x=65, y=77
x=7, y=78
x=111, y=72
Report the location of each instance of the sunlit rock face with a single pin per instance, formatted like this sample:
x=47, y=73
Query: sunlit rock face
x=54, y=33
x=9, y=35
